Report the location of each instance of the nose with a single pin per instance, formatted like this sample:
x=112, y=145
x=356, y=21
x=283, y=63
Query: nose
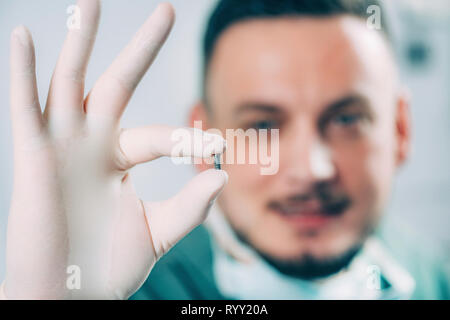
x=320, y=161
x=307, y=160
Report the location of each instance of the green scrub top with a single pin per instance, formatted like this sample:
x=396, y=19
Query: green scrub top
x=186, y=271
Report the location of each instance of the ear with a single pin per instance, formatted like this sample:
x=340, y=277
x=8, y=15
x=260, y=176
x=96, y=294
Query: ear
x=199, y=114
x=403, y=128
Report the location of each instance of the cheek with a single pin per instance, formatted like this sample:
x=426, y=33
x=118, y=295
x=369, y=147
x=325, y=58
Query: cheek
x=245, y=185
x=353, y=164
x=365, y=170
x=244, y=196
x=245, y=178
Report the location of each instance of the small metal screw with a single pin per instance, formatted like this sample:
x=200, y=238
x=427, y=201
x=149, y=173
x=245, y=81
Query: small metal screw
x=217, y=165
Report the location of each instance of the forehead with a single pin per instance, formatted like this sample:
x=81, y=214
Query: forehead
x=303, y=60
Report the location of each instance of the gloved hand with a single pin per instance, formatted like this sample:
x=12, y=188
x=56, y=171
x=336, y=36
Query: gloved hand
x=74, y=210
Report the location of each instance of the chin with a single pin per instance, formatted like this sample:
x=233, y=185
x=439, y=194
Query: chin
x=314, y=259
x=317, y=245
x=310, y=255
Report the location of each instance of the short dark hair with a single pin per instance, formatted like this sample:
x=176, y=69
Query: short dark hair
x=229, y=12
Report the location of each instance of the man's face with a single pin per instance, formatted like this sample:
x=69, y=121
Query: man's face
x=329, y=86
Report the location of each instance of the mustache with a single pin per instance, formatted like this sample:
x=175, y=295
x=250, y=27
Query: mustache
x=330, y=201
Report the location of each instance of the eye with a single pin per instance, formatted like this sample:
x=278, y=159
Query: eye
x=347, y=119
x=264, y=124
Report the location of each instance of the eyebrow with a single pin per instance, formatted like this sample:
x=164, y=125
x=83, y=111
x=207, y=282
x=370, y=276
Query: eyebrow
x=258, y=107
x=330, y=110
x=342, y=103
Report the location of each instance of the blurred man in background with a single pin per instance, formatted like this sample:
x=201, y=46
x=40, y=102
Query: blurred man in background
x=316, y=71
x=319, y=75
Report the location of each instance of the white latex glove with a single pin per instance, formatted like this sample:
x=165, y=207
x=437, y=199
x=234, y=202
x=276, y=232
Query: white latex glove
x=73, y=202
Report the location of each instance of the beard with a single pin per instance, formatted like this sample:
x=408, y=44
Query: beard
x=308, y=267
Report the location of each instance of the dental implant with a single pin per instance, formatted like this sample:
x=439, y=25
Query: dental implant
x=217, y=159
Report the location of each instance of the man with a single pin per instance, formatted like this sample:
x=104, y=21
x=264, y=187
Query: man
x=316, y=72
x=312, y=70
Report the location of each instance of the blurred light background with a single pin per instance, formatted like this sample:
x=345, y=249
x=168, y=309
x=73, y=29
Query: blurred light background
x=421, y=28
